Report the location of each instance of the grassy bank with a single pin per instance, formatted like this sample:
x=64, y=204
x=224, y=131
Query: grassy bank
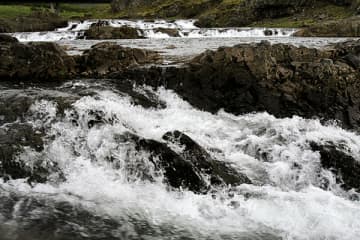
x=216, y=13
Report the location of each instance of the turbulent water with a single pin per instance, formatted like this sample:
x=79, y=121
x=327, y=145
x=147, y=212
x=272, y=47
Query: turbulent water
x=108, y=200
x=95, y=198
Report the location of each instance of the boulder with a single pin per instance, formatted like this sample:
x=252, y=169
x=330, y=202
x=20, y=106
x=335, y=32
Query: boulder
x=218, y=172
x=342, y=164
x=48, y=62
x=177, y=171
x=169, y=31
x=107, y=57
x=193, y=168
x=33, y=61
x=108, y=32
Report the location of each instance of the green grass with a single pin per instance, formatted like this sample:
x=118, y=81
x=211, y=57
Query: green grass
x=307, y=18
x=13, y=11
x=221, y=10
x=86, y=11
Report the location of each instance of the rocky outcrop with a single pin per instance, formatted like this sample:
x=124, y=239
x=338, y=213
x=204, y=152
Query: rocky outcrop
x=33, y=61
x=281, y=79
x=49, y=62
x=349, y=27
x=342, y=164
x=169, y=31
x=104, y=58
x=108, y=32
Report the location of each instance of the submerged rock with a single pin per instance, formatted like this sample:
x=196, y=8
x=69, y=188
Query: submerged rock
x=219, y=172
x=13, y=139
x=193, y=168
x=169, y=31
x=342, y=164
x=108, y=32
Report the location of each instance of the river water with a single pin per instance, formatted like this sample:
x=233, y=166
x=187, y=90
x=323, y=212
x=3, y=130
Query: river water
x=98, y=199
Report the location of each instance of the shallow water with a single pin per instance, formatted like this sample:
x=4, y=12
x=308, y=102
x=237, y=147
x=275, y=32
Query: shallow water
x=191, y=42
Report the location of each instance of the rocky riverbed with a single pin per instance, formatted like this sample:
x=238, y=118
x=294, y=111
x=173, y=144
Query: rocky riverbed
x=258, y=140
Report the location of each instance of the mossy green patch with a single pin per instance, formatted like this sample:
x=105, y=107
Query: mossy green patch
x=13, y=11
x=308, y=17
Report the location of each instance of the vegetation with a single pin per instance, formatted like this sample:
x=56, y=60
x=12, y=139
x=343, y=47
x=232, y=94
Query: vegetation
x=212, y=13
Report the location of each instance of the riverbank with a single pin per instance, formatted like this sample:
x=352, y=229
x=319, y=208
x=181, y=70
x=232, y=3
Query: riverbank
x=235, y=13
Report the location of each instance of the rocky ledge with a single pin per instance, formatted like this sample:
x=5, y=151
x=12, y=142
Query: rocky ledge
x=281, y=79
x=49, y=62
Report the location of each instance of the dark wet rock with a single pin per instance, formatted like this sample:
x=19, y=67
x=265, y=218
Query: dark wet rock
x=108, y=32
x=13, y=107
x=281, y=79
x=13, y=138
x=178, y=171
x=15, y=103
x=48, y=62
x=193, y=169
x=106, y=57
x=268, y=32
x=169, y=31
x=34, y=62
x=139, y=96
x=219, y=172
x=7, y=38
x=349, y=27
x=342, y=164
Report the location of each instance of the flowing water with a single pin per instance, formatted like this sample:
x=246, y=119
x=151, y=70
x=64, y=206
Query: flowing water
x=94, y=198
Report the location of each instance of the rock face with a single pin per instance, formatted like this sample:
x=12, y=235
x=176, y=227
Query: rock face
x=48, y=62
x=108, y=32
x=33, y=61
x=283, y=80
x=342, y=164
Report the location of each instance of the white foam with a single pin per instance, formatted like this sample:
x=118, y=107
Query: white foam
x=286, y=201
x=185, y=28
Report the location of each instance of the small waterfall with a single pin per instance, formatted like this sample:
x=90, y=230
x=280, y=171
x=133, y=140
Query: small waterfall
x=184, y=28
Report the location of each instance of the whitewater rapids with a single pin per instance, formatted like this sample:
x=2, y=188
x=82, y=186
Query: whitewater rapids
x=100, y=201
